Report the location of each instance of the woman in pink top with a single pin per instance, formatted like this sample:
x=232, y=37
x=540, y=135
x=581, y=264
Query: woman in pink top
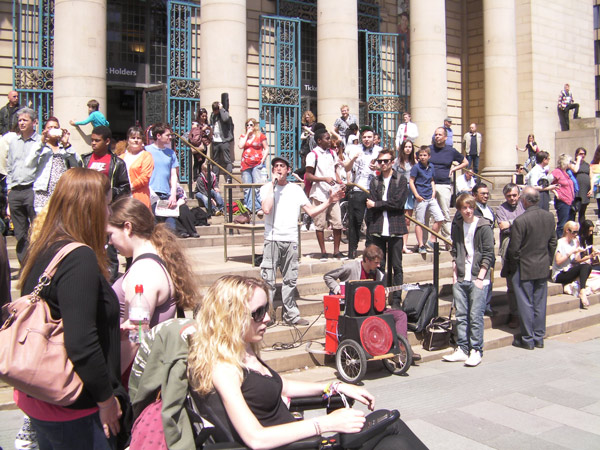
x=564, y=193
x=159, y=265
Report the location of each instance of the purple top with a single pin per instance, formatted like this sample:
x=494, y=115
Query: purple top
x=162, y=312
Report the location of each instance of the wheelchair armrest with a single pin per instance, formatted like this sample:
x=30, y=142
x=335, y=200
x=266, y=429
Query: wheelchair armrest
x=312, y=443
x=299, y=404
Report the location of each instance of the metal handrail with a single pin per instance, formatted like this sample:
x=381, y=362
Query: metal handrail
x=478, y=175
x=186, y=142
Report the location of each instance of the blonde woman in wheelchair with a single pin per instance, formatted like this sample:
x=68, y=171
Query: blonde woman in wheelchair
x=224, y=359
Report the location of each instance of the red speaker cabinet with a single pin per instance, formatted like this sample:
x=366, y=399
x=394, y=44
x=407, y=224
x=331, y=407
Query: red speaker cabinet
x=364, y=298
x=376, y=334
x=331, y=307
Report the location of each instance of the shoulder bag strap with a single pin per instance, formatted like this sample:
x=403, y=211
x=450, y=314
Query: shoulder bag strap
x=64, y=251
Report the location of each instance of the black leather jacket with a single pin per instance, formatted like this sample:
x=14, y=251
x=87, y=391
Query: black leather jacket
x=117, y=174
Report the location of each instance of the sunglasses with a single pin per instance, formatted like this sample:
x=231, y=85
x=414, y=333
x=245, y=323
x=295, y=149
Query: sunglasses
x=259, y=314
x=572, y=231
x=383, y=161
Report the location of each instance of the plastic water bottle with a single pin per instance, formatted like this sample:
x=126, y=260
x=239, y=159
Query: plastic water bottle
x=263, y=174
x=139, y=315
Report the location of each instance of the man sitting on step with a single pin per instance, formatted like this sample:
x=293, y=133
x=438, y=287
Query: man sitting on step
x=367, y=269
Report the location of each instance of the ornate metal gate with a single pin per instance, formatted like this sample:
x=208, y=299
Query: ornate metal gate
x=33, y=44
x=183, y=83
x=387, y=87
x=279, y=85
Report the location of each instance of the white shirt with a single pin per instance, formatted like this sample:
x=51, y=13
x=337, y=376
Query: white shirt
x=386, y=223
x=469, y=233
x=464, y=185
x=361, y=171
x=534, y=175
x=408, y=129
x=281, y=224
x=487, y=212
x=324, y=166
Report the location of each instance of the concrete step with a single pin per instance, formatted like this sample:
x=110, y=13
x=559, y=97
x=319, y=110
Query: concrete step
x=563, y=316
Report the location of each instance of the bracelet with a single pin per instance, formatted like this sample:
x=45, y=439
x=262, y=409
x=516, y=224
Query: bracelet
x=317, y=427
x=480, y=279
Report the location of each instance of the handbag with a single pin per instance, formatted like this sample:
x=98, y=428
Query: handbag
x=148, y=431
x=437, y=334
x=33, y=358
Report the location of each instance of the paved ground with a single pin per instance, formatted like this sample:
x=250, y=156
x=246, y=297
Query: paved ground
x=516, y=399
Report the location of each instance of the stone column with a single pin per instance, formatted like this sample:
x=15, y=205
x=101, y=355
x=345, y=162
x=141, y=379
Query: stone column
x=223, y=58
x=337, y=53
x=501, y=105
x=428, y=81
x=79, y=64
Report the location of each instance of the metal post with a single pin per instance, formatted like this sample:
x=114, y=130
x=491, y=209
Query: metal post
x=230, y=202
x=210, y=187
x=436, y=272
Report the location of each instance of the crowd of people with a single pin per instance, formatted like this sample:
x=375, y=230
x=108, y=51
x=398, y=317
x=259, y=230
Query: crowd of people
x=131, y=204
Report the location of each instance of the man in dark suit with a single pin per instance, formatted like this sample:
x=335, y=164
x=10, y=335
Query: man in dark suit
x=530, y=253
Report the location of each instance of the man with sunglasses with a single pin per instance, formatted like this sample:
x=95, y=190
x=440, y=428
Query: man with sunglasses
x=281, y=203
x=385, y=222
x=506, y=213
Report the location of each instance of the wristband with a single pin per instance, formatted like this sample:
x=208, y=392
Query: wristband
x=480, y=279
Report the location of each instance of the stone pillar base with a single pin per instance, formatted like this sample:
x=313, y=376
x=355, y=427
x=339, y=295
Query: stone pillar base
x=500, y=176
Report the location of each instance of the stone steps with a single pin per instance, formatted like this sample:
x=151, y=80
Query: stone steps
x=563, y=316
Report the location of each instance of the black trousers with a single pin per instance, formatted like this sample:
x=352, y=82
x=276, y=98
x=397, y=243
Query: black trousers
x=391, y=246
x=563, y=115
x=581, y=271
x=221, y=153
x=357, y=204
x=22, y=214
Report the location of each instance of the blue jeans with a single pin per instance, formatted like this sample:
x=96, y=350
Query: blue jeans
x=80, y=434
x=563, y=214
x=252, y=175
x=213, y=195
x=470, y=305
x=473, y=162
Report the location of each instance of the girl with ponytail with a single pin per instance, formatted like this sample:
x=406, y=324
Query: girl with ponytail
x=159, y=264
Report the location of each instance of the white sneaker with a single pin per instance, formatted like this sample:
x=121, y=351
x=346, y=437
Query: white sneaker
x=568, y=289
x=474, y=358
x=458, y=355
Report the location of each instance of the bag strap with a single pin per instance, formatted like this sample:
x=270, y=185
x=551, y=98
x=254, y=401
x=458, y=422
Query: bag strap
x=64, y=251
x=46, y=276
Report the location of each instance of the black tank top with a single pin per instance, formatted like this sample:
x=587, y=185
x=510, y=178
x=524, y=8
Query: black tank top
x=263, y=396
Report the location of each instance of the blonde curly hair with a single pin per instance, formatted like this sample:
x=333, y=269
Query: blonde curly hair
x=221, y=324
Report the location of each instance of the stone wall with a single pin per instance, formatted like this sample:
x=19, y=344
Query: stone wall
x=5, y=49
x=454, y=67
x=554, y=46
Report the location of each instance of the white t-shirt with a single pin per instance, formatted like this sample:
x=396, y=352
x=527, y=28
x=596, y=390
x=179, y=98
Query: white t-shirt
x=564, y=247
x=469, y=233
x=386, y=223
x=325, y=167
x=281, y=224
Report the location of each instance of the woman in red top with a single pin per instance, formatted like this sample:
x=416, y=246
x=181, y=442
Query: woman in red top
x=256, y=149
x=564, y=194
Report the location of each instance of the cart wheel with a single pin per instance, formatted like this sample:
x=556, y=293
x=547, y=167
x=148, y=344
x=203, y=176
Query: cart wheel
x=351, y=361
x=401, y=362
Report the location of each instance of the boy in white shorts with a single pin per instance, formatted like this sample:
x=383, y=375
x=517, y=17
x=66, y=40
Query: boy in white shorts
x=423, y=187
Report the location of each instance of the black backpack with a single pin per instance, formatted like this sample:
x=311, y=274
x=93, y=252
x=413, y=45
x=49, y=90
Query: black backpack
x=420, y=306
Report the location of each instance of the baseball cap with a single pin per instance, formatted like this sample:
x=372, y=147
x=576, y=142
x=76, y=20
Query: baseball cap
x=279, y=159
x=448, y=119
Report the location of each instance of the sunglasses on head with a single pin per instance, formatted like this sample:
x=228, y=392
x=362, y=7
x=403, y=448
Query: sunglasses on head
x=259, y=314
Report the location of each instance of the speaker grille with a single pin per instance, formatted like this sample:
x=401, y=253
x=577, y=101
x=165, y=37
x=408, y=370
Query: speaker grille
x=362, y=300
x=376, y=336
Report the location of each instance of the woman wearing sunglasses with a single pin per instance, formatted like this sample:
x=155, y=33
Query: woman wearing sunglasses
x=224, y=357
x=567, y=266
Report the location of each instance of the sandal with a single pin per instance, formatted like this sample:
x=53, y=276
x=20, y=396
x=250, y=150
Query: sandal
x=407, y=251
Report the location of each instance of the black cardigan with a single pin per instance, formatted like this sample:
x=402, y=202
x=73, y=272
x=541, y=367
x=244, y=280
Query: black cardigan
x=90, y=312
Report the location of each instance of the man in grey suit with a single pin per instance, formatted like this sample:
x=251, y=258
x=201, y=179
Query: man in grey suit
x=530, y=253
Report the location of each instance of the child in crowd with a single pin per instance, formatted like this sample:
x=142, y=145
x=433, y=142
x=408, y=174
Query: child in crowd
x=423, y=187
x=95, y=117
